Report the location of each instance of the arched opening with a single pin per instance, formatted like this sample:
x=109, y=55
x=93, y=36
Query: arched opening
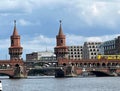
x=101, y=74
x=109, y=65
x=72, y=64
x=5, y=75
x=98, y=64
x=81, y=65
x=113, y=64
x=77, y=64
x=0, y=66
x=103, y=65
x=64, y=64
x=4, y=66
x=94, y=64
x=17, y=65
x=85, y=64
x=89, y=65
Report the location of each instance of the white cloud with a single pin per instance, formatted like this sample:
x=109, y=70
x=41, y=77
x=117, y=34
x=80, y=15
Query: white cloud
x=24, y=22
x=91, y=12
x=39, y=43
x=79, y=40
x=26, y=6
x=99, y=12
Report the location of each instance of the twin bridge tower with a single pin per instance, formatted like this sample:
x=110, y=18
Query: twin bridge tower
x=15, y=67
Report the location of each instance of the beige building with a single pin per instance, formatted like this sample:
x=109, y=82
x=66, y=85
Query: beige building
x=75, y=52
x=91, y=50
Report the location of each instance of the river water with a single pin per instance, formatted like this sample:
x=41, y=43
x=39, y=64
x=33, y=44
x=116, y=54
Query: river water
x=39, y=83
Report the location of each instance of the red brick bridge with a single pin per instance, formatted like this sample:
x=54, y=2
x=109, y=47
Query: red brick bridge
x=13, y=68
x=98, y=67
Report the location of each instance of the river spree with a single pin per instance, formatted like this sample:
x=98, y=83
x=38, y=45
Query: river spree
x=62, y=84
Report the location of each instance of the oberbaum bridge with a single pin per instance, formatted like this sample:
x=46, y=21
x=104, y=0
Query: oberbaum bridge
x=16, y=67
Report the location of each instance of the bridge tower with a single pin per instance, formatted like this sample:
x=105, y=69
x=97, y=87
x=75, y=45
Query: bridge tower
x=15, y=50
x=61, y=50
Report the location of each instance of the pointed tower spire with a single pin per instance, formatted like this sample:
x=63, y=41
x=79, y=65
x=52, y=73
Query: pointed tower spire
x=15, y=29
x=15, y=50
x=61, y=50
x=60, y=29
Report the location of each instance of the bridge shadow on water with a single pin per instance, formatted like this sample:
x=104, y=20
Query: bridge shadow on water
x=101, y=74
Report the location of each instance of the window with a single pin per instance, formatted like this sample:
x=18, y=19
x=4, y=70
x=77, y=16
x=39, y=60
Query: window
x=61, y=41
x=90, y=49
x=93, y=49
x=12, y=42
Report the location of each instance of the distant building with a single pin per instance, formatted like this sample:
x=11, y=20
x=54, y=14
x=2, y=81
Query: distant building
x=41, y=56
x=91, y=50
x=111, y=47
x=75, y=52
x=117, y=45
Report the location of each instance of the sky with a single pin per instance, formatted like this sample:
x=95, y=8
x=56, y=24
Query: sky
x=38, y=22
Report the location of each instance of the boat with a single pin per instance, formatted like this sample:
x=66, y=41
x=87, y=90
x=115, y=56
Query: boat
x=59, y=73
x=0, y=85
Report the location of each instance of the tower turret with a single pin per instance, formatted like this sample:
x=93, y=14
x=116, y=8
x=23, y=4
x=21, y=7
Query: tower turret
x=15, y=50
x=61, y=50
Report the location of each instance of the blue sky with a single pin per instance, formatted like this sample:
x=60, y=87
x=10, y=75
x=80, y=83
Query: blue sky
x=38, y=22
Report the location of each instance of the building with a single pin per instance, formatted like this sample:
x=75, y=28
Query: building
x=75, y=52
x=15, y=50
x=41, y=56
x=91, y=50
x=111, y=47
x=61, y=50
x=117, y=45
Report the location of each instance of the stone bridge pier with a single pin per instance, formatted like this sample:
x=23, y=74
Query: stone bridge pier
x=13, y=69
x=19, y=71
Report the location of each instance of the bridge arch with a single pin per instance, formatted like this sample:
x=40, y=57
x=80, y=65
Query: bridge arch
x=10, y=76
x=103, y=65
x=98, y=65
x=100, y=73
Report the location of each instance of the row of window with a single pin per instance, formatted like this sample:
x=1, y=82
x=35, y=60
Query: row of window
x=75, y=46
x=97, y=50
x=93, y=53
x=75, y=52
x=75, y=49
x=75, y=56
x=93, y=46
x=93, y=43
x=109, y=47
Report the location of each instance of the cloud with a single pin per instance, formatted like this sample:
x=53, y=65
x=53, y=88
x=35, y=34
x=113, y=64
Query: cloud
x=99, y=12
x=24, y=22
x=18, y=6
x=79, y=40
x=39, y=43
x=88, y=12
